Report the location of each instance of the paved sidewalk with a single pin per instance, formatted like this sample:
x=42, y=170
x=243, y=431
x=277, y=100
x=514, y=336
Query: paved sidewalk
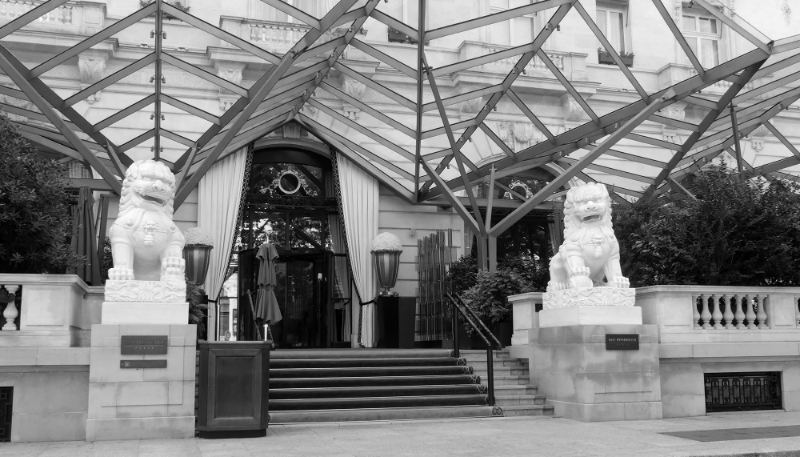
x=768, y=434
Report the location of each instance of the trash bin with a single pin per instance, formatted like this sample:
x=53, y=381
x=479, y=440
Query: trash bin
x=234, y=389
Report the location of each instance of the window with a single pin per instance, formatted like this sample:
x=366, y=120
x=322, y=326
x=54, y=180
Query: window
x=613, y=23
x=703, y=35
x=514, y=32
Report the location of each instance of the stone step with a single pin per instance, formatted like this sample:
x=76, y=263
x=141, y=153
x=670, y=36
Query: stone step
x=375, y=414
x=527, y=410
x=516, y=389
x=498, y=364
x=506, y=380
x=501, y=371
x=518, y=400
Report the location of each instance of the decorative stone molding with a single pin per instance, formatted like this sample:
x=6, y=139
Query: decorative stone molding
x=232, y=72
x=671, y=135
x=356, y=90
x=589, y=296
x=146, y=291
x=518, y=135
x=571, y=110
x=675, y=111
x=19, y=103
x=92, y=67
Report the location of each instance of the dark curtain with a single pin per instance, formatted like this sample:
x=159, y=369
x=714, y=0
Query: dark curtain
x=84, y=242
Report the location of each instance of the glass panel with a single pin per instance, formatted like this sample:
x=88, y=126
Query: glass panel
x=708, y=25
x=307, y=232
x=523, y=31
x=493, y=3
x=619, y=19
x=709, y=53
x=692, y=44
x=601, y=22
x=689, y=24
x=615, y=32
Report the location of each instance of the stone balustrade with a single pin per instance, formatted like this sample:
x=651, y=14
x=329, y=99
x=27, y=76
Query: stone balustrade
x=716, y=313
x=275, y=37
x=78, y=17
x=54, y=311
x=571, y=64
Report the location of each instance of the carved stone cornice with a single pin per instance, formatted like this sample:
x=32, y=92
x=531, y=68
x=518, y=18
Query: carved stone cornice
x=231, y=72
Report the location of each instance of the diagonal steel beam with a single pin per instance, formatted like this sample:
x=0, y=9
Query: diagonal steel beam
x=30, y=16
x=397, y=25
x=726, y=98
x=455, y=146
x=490, y=19
x=93, y=40
x=782, y=139
x=136, y=141
x=736, y=27
x=676, y=32
x=55, y=119
x=610, y=49
x=191, y=109
x=496, y=140
x=111, y=79
x=119, y=115
x=455, y=201
x=384, y=58
x=50, y=96
x=529, y=114
x=337, y=142
x=568, y=85
x=578, y=166
x=376, y=86
x=260, y=90
x=531, y=50
x=219, y=33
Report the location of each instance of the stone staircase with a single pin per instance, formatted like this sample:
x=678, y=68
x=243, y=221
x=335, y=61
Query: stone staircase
x=512, y=388
x=325, y=385
x=333, y=385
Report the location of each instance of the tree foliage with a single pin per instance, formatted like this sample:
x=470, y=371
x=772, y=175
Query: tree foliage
x=735, y=233
x=35, y=220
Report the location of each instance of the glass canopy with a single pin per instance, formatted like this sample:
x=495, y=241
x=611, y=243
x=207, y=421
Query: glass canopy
x=391, y=105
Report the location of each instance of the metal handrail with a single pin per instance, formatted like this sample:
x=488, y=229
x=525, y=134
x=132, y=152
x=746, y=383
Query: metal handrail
x=458, y=305
x=475, y=316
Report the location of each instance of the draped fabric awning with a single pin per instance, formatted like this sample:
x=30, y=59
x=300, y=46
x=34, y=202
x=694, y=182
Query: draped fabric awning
x=424, y=138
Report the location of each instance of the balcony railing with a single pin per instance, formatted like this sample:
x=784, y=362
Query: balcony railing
x=276, y=37
x=12, y=9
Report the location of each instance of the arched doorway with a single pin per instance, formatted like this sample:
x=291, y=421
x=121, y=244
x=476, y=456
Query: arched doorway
x=291, y=204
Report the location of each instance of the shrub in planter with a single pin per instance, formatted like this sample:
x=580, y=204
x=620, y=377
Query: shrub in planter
x=197, y=310
x=35, y=220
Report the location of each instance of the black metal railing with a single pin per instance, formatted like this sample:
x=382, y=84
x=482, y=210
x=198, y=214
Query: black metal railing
x=459, y=307
x=742, y=391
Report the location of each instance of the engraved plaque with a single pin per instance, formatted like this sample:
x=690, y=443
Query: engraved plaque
x=143, y=364
x=144, y=344
x=622, y=342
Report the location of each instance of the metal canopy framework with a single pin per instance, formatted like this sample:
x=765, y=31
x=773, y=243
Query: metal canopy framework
x=411, y=132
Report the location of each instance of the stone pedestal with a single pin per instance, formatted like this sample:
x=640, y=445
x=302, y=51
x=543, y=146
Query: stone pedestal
x=587, y=382
x=141, y=403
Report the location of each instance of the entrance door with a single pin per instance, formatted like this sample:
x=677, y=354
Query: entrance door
x=302, y=294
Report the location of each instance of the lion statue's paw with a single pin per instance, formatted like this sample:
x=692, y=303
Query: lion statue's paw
x=621, y=282
x=120, y=274
x=172, y=268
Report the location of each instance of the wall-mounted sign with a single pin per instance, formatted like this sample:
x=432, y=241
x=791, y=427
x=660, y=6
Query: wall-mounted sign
x=143, y=364
x=144, y=344
x=622, y=342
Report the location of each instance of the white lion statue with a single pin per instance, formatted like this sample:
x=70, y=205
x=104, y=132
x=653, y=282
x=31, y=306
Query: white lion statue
x=590, y=251
x=145, y=244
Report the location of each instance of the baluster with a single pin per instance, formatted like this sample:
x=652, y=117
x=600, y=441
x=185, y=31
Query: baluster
x=762, y=312
x=750, y=314
x=739, y=312
x=695, y=313
x=716, y=314
x=727, y=314
x=705, y=314
x=11, y=312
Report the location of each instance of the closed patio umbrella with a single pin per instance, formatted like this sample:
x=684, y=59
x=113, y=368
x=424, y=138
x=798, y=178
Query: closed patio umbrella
x=266, y=303
x=83, y=239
